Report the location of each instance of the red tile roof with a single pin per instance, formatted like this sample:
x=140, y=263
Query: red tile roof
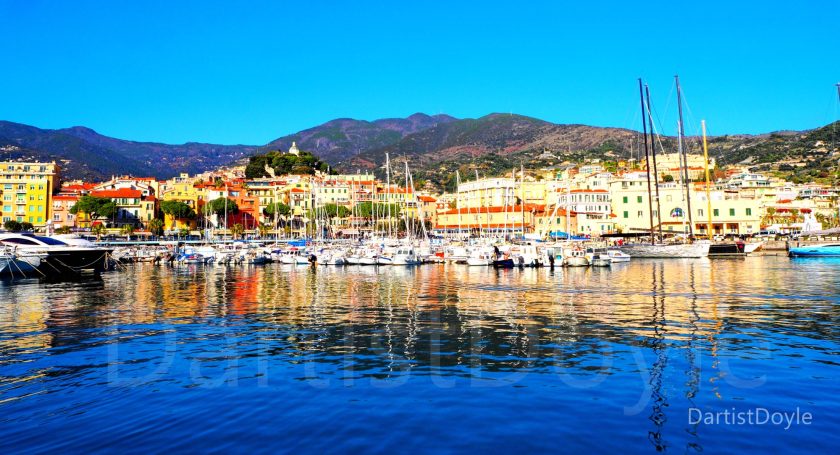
x=120, y=193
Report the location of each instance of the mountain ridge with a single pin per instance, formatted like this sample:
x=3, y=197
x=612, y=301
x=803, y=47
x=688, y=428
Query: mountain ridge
x=434, y=145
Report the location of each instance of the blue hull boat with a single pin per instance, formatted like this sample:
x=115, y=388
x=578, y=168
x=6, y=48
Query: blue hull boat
x=815, y=251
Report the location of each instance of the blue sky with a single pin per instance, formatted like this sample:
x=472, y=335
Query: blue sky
x=249, y=72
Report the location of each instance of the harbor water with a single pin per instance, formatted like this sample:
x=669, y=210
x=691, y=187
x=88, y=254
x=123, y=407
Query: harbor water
x=640, y=357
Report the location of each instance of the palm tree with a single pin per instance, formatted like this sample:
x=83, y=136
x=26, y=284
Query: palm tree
x=262, y=229
x=127, y=230
x=156, y=226
x=237, y=230
x=822, y=219
x=769, y=217
x=98, y=230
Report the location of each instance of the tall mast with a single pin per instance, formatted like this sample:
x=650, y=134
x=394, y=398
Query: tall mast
x=480, y=203
x=458, y=198
x=708, y=180
x=653, y=157
x=684, y=159
x=522, y=190
x=647, y=161
x=388, y=190
x=405, y=205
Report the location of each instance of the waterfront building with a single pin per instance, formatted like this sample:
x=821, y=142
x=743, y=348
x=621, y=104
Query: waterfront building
x=554, y=221
x=26, y=191
x=427, y=208
x=61, y=205
x=670, y=164
x=148, y=186
x=732, y=213
x=133, y=208
x=487, y=192
x=495, y=220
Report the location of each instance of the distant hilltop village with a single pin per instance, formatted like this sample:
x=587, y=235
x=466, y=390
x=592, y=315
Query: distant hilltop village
x=293, y=193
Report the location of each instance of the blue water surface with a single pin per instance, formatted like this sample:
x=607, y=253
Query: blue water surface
x=436, y=358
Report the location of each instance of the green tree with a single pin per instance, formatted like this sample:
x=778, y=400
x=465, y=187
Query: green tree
x=263, y=229
x=127, y=230
x=12, y=226
x=770, y=216
x=184, y=232
x=177, y=209
x=156, y=226
x=304, y=163
x=26, y=226
x=98, y=230
x=95, y=207
x=667, y=178
x=336, y=211
x=279, y=208
x=237, y=230
x=369, y=210
x=63, y=230
x=217, y=207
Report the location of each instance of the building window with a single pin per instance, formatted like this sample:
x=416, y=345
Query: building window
x=749, y=212
x=638, y=199
x=731, y=212
x=699, y=212
x=716, y=212
x=625, y=199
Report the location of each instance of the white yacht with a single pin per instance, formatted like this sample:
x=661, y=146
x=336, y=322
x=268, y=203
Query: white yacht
x=405, y=255
x=53, y=258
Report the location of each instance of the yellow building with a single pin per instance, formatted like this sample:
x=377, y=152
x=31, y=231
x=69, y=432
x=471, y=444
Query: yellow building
x=503, y=191
x=26, y=191
x=670, y=164
x=503, y=219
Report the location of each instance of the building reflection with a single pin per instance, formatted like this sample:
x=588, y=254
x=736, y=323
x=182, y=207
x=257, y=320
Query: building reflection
x=464, y=318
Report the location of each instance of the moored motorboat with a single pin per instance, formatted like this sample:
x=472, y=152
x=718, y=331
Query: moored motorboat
x=826, y=250
x=56, y=259
x=669, y=251
x=503, y=263
x=617, y=256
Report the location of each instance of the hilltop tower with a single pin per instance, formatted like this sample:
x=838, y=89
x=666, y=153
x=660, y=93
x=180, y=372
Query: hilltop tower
x=293, y=150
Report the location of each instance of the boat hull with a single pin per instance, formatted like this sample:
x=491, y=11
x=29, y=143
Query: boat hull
x=676, y=251
x=815, y=251
x=72, y=262
x=503, y=264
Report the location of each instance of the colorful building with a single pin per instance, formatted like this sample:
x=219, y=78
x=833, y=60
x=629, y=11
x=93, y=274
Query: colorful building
x=26, y=191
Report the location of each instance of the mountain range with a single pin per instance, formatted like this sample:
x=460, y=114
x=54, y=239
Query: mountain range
x=434, y=146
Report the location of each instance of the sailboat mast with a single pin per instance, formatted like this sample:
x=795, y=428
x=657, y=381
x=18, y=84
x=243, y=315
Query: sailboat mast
x=647, y=161
x=458, y=198
x=708, y=180
x=684, y=159
x=388, y=190
x=522, y=191
x=653, y=158
x=405, y=205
